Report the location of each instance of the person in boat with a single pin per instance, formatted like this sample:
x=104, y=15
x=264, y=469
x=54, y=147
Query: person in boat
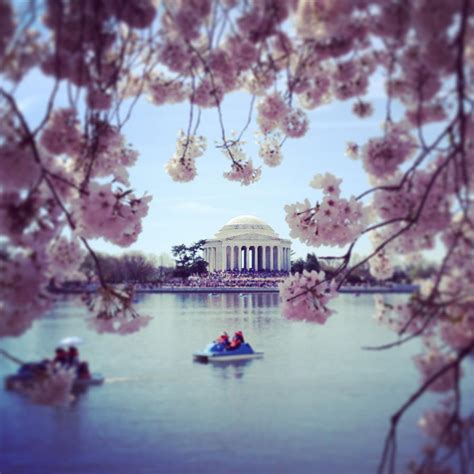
x=83, y=372
x=223, y=339
x=73, y=357
x=237, y=340
x=61, y=357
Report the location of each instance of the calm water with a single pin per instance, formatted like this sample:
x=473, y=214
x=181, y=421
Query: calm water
x=316, y=403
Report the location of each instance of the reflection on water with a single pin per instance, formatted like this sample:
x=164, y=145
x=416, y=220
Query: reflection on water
x=315, y=403
x=235, y=369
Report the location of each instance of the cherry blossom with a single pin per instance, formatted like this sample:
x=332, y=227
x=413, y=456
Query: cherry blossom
x=305, y=296
x=383, y=156
x=440, y=425
x=65, y=179
x=111, y=214
x=270, y=150
x=62, y=134
x=113, y=311
x=363, y=109
x=432, y=362
x=352, y=150
x=272, y=110
x=163, y=90
x=65, y=255
x=294, y=124
x=23, y=292
x=182, y=166
x=244, y=172
x=334, y=221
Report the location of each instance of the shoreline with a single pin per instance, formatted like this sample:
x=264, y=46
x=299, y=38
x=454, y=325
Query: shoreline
x=397, y=289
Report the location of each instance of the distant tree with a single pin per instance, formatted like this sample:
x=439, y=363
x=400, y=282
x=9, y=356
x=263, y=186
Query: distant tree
x=310, y=263
x=297, y=266
x=130, y=267
x=188, y=260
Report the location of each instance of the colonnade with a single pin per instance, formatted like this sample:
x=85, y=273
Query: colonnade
x=247, y=257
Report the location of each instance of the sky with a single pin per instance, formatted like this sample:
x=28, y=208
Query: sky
x=187, y=212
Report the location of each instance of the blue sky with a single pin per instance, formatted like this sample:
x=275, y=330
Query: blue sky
x=187, y=212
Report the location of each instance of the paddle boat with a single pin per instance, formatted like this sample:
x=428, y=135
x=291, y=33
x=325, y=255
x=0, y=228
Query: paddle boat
x=217, y=352
x=29, y=371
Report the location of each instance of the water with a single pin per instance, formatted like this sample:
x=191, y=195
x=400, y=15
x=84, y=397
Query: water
x=316, y=403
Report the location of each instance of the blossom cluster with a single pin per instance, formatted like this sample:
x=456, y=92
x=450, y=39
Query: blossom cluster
x=182, y=165
x=334, y=221
x=383, y=156
x=274, y=113
x=270, y=150
x=113, y=311
x=306, y=296
x=112, y=214
x=241, y=169
x=67, y=180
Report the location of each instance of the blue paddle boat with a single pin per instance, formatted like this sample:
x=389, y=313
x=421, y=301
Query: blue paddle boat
x=217, y=352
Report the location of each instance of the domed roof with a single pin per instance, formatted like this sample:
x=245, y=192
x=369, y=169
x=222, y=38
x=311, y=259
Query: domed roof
x=246, y=220
x=246, y=225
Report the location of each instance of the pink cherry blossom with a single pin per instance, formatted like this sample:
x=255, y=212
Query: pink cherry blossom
x=65, y=257
x=335, y=221
x=352, y=150
x=270, y=150
x=244, y=172
x=431, y=363
x=62, y=134
x=328, y=183
x=294, y=124
x=271, y=112
x=383, y=156
x=363, y=109
x=182, y=165
x=114, y=215
x=166, y=90
x=18, y=167
x=305, y=297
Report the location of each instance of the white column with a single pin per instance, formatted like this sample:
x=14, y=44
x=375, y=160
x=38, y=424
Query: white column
x=224, y=257
x=236, y=257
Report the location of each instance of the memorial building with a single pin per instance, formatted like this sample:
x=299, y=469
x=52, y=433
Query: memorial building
x=247, y=243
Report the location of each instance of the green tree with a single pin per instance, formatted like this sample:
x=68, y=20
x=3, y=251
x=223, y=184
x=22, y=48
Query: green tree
x=297, y=266
x=188, y=260
x=311, y=263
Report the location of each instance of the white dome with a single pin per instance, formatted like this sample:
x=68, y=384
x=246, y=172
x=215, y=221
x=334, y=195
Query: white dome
x=246, y=225
x=246, y=220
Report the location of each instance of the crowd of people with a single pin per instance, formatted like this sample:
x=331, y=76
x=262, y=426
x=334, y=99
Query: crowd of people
x=232, y=279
